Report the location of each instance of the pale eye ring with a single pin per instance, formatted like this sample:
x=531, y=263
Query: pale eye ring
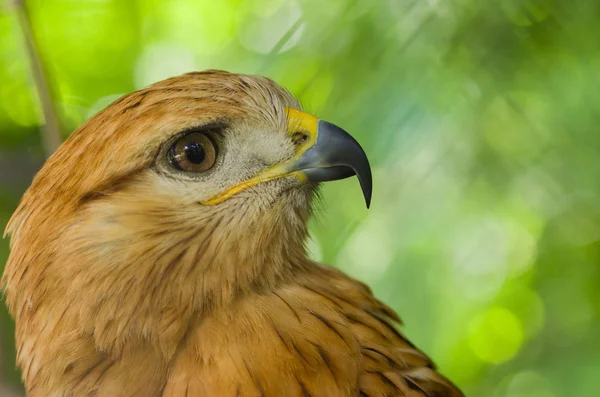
x=194, y=152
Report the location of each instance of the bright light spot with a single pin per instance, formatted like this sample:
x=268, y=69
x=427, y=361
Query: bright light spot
x=528, y=384
x=263, y=33
x=473, y=88
x=480, y=251
x=496, y=335
x=523, y=248
x=539, y=190
x=205, y=26
x=527, y=305
x=369, y=252
x=161, y=61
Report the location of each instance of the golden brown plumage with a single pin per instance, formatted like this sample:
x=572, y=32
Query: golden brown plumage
x=128, y=277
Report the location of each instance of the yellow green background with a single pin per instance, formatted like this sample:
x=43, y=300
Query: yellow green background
x=480, y=119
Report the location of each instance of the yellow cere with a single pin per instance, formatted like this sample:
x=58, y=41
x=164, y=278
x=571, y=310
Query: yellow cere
x=297, y=121
x=303, y=122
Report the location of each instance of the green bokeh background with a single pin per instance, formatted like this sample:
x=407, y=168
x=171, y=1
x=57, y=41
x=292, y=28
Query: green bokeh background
x=480, y=119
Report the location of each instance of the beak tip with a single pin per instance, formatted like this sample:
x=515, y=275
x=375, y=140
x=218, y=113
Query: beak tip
x=368, y=195
x=366, y=185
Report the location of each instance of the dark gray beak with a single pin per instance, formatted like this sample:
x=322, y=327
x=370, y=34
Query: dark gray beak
x=336, y=155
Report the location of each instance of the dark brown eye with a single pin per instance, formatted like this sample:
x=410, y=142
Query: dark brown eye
x=195, y=152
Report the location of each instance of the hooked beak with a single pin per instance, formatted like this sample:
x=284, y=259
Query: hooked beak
x=334, y=155
x=329, y=153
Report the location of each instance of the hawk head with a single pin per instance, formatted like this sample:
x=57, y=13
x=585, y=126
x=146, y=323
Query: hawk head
x=174, y=200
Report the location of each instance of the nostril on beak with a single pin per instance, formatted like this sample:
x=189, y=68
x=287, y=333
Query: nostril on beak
x=299, y=138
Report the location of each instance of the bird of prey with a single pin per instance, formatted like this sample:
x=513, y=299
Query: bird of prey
x=160, y=251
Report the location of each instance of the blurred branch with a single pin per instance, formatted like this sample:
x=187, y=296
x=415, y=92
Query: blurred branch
x=51, y=131
x=281, y=43
x=286, y=37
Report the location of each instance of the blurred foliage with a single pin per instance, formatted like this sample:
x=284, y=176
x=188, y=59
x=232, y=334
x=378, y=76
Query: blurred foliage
x=478, y=117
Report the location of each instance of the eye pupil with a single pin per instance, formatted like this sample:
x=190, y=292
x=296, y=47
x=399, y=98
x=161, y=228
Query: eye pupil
x=194, y=152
